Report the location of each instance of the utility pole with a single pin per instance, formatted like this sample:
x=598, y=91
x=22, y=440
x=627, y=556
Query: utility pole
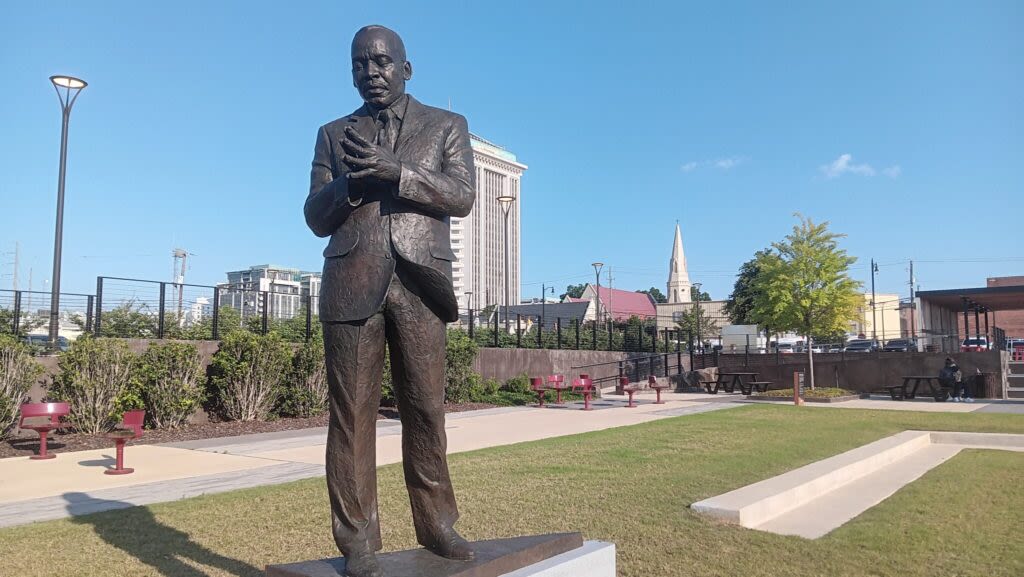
x=609, y=309
x=17, y=262
x=874, y=317
x=913, y=305
x=180, y=262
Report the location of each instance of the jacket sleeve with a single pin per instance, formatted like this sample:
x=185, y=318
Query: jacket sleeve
x=450, y=191
x=327, y=205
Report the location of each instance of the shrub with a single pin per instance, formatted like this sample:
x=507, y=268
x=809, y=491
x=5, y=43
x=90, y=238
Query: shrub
x=519, y=384
x=306, y=392
x=248, y=371
x=387, y=382
x=95, y=377
x=460, y=351
x=171, y=380
x=17, y=373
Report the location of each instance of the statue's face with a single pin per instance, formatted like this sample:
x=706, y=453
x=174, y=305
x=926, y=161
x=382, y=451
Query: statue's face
x=379, y=68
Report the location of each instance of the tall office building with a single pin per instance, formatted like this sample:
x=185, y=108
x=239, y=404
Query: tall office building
x=478, y=240
x=285, y=288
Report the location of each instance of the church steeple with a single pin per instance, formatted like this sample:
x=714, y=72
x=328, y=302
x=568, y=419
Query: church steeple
x=678, y=279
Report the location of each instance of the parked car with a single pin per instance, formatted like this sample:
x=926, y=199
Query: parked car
x=41, y=343
x=1014, y=343
x=974, y=345
x=784, y=347
x=861, y=346
x=900, y=346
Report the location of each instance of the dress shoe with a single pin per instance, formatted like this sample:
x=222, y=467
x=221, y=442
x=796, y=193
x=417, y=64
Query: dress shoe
x=450, y=545
x=362, y=563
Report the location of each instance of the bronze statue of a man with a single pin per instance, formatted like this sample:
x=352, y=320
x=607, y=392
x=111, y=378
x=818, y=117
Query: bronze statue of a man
x=385, y=181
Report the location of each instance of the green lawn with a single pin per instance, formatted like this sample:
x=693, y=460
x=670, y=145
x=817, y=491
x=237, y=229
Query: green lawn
x=630, y=485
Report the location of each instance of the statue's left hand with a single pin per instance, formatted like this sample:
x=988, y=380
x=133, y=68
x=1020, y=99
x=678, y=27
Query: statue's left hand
x=369, y=160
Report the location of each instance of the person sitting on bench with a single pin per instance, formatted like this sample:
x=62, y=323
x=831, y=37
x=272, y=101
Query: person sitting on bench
x=952, y=377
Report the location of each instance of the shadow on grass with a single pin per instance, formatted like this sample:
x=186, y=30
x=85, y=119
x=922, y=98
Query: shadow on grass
x=137, y=532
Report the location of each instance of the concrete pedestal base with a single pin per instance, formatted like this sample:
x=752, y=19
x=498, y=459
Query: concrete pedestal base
x=556, y=555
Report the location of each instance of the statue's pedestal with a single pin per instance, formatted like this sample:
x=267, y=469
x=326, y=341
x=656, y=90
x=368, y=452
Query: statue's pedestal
x=556, y=555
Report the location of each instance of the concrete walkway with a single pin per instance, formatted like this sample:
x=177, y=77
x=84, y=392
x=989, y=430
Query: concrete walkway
x=73, y=483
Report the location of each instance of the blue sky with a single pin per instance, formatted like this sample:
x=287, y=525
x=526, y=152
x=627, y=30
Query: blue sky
x=198, y=125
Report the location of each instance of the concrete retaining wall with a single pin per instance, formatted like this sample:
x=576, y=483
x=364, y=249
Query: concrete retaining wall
x=867, y=372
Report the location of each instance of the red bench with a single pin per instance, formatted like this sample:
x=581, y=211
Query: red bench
x=629, y=390
x=652, y=382
x=586, y=387
x=130, y=428
x=537, y=385
x=557, y=383
x=52, y=412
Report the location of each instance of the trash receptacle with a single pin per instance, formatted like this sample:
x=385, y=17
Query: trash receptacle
x=985, y=386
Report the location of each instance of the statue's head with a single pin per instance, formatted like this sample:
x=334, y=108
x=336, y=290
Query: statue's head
x=379, y=67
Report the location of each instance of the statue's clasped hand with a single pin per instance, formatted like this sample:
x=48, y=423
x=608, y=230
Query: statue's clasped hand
x=369, y=160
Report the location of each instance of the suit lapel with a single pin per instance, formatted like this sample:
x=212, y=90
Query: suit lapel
x=412, y=124
x=363, y=123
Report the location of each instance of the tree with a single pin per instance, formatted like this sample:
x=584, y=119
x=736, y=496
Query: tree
x=574, y=290
x=129, y=320
x=655, y=294
x=740, y=304
x=697, y=322
x=806, y=287
x=697, y=295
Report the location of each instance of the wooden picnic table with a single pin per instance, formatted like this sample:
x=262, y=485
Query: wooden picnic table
x=730, y=380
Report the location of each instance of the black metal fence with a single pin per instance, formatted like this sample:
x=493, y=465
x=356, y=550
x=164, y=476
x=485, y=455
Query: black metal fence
x=138, y=308
x=489, y=329
x=28, y=312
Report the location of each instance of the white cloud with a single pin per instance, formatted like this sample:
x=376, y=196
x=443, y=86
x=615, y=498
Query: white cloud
x=893, y=171
x=844, y=164
x=724, y=163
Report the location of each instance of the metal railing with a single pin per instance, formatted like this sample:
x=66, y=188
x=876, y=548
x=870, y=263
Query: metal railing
x=28, y=312
x=139, y=308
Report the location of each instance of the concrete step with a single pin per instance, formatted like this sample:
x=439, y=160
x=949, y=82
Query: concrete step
x=760, y=502
x=815, y=499
x=820, y=516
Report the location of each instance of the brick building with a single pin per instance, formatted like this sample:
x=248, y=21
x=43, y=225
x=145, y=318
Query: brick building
x=1010, y=321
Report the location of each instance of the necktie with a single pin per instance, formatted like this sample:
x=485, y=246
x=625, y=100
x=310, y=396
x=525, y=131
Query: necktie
x=386, y=129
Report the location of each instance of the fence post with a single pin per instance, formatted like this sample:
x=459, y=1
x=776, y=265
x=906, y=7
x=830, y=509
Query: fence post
x=16, y=321
x=540, y=333
x=558, y=329
x=471, y=323
x=309, y=316
x=99, y=303
x=519, y=331
x=265, y=296
x=577, y=323
x=495, y=313
x=89, y=303
x=594, y=344
x=679, y=353
x=746, y=353
x=216, y=314
x=689, y=346
x=160, y=321
x=611, y=337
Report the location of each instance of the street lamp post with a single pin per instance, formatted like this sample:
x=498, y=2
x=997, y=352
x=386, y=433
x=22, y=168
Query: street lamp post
x=696, y=316
x=68, y=88
x=544, y=288
x=506, y=201
x=469, y=307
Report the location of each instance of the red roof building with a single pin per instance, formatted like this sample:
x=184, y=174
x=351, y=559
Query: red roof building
x=619, y=304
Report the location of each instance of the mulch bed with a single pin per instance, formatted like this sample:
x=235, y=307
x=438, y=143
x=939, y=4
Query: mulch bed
x=28, y=442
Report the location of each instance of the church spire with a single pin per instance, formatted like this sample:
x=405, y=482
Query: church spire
x=678, y=279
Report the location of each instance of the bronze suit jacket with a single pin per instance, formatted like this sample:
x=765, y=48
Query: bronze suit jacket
x=371, y=223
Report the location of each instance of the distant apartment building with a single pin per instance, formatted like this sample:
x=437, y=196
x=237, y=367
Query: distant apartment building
x=282, y=290
x=478, y=239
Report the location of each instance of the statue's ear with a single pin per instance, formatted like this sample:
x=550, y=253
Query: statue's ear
x=407, y=70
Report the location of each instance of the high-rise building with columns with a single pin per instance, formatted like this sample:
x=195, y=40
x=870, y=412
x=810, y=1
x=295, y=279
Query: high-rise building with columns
x=478, y=240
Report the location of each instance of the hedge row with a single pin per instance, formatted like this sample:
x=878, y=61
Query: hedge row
x=251, y=377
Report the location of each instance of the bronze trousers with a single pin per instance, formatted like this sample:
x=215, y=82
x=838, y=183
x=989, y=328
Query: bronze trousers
x=355, y=360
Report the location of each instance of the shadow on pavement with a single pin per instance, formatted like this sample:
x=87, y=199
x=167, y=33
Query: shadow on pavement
x=137, y=532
